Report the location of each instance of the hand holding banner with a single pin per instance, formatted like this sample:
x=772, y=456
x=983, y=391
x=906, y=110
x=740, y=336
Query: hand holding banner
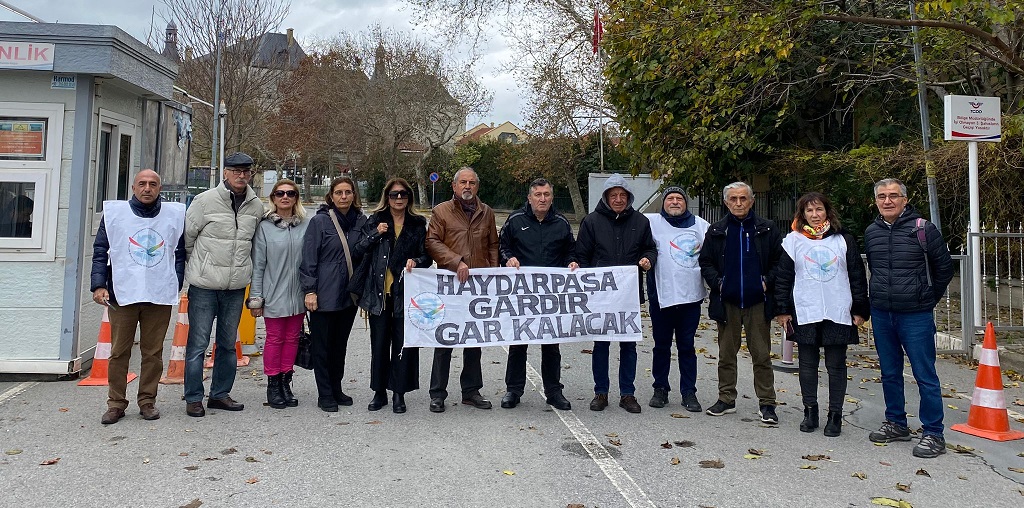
x=531, y=305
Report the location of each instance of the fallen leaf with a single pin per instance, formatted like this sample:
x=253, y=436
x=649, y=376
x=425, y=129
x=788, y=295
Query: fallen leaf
x=859, y=476
x=189, y=430
x=611, y=434
x=879, y=444
x=251, y=459
x=191, y=468
x=1016, y=469
x=711, y=464
x=816, y=457
x=49, y=462
x=1021, y=454
x=922, y=472
x=951, y=406
x=252, y=480
x=666, y=445
x=674, y=461
x=1018, y=402
x=755, y=451
x=212, y=458
x=903, y=487
x=574, y=505
x=962, y=477
x=884, y=463
x=145, y=460
x=229, y=451
x=751, y=456
x=615, y=442
x=808, y=466
x=63, y=410
x=195, y=503
x=509, y=473
x=852, y=400
x=374, y=422
x=959, y=448
x=12, y=452
x=587, y=351
x=183, y=454
x=885, y=501
x=684, y=444
x=678, y=415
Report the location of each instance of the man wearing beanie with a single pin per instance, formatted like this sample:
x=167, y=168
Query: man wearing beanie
x=675, y=291
x=615, y=234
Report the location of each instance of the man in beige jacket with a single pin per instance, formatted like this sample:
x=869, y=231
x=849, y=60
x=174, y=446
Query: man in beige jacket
x=219, y=227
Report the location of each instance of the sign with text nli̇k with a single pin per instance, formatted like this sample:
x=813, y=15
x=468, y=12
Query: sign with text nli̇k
x=506, y=306
x=971, y=118
x=26, y=56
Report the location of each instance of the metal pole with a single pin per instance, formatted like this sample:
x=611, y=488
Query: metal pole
x=223, y=117
x=601, y=142
x=19, y=11
x=216, y=98
x=972, y=157
x=926, y=130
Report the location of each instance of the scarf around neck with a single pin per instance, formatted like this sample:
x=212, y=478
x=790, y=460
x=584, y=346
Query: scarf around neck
x=682, y=221
x=810, y=232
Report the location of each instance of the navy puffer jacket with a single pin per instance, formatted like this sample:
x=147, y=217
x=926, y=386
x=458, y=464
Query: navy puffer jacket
x=896, y=259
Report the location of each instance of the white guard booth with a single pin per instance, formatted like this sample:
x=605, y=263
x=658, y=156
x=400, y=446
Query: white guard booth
x=82, y=109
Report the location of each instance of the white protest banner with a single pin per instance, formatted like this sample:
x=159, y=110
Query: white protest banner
x=531, y=305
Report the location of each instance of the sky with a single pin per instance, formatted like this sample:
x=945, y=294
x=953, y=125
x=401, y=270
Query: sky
x=311, y=19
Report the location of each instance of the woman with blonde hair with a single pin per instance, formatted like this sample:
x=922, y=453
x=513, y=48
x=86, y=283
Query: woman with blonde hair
x=275, y=292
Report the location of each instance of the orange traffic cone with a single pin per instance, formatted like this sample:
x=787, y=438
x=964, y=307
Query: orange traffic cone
x=988, y=417
x=175, y=373
x=241, y=361
x=101, y=359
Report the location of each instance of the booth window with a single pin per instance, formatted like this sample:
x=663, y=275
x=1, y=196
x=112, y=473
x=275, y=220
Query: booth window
x=16, y=209
x=113, y=161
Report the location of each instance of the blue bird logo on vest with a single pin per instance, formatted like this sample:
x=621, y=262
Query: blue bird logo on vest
x=685, y=249
x=427, y=311
x=822, y=264
x=146, y=247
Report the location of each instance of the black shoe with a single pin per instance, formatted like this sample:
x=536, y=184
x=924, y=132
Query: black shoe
x=195, y=409
x=810, y=421
x=834, y=424
x=600, y=402
x=342, y=399
x=436, y=405
x=227, y=404
x=659, y=399
x=720, y=408
x=380, y=399
x=327, y=404
x=510, y=400
x=930, y=447
x=629, y=403
x=286, y=390
x=691, y=403
x=890, y=432
x=768, y=416
x=476, y=400
x=398, y=403
x=558, y=401
x=274, y=397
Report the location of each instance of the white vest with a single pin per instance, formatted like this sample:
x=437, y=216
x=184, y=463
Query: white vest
x=677, y=273
x=821, y=288
x=142, y=252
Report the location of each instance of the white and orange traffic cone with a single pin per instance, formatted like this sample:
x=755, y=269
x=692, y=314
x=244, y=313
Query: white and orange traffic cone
x=241, y=361
x=101, y=359
x=175, y=373
x=988, y=417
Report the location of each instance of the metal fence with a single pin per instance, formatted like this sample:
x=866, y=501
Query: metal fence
x=1002, y=279
x=775, y=205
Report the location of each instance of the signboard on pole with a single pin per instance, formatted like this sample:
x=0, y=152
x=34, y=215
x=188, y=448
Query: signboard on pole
x=434, y=176
x=972, y=118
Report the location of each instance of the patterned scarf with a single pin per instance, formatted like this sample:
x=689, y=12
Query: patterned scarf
x=811, y=232
x=283, y=223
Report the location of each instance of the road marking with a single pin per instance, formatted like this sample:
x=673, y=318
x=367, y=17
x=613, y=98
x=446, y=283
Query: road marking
x=611, y=468
x=13, y=392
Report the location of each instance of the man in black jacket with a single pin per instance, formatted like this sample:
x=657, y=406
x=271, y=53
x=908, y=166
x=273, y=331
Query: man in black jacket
x=910, y=270
x=615, y=234
x=536, y=235
x=739, y=254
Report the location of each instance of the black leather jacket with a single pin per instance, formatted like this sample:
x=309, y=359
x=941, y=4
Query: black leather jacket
x=385, y=252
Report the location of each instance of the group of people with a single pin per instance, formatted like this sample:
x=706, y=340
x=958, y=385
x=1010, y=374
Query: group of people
x=325, y=267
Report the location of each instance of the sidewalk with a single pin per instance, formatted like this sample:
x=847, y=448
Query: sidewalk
x=528, y=456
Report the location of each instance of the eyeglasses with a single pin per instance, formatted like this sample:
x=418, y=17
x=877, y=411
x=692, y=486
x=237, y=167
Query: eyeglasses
x=243, y=172
x=283, y=193
x=401, y=194
x=881, y=198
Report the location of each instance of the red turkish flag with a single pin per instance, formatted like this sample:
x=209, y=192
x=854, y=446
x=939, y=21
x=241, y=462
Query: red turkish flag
x=598, y=31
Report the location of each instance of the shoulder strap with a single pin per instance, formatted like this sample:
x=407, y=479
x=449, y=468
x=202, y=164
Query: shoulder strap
x=344, y=242
x=919, y=229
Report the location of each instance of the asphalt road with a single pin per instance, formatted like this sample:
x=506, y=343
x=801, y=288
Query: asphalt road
x=528, y=456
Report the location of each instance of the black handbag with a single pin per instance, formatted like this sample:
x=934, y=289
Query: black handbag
x=304, y=355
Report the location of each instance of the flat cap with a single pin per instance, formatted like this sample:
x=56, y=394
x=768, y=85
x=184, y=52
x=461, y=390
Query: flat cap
x=238, y=160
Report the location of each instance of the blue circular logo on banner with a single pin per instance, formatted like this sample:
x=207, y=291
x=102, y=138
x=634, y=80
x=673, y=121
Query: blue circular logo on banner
x=685, y=249
x=426, y=311
x=821, y=263
x=146, y=247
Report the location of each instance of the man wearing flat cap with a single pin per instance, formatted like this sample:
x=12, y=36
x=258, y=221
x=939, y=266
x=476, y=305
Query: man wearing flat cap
x=675, y=291
x=219, y=228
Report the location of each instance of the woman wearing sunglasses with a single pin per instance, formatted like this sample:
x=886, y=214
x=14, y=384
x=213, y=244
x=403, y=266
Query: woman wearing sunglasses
x=330, y=251
x=393, y=242
x=275, y=293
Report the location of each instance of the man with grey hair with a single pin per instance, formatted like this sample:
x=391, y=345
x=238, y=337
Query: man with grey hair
x=461, y=235
x=737, y=262
x=910, y=270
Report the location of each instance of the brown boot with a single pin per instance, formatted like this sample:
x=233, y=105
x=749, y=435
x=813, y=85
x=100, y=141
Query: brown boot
x=112, y=416
x=629, y=403
x=600, y=402
x=149, y=412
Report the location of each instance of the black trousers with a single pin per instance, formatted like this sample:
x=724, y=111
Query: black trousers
x=329, y=331
x=550, y=369
x=392, y=367
x=835, y=364
x=472, y=377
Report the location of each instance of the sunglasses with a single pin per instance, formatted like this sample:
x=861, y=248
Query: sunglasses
x=283, y=193
x=401, y=194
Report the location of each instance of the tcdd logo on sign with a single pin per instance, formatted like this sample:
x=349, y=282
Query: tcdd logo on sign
x=434, y=177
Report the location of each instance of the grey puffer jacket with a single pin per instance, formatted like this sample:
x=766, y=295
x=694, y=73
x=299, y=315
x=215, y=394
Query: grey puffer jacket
x=897, y=261
x=219, y=240
x=276, y=256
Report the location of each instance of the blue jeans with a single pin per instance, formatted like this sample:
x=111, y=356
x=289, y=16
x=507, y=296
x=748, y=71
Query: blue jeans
x=912, y=334
x=205, y=305
x=627, y=367
x=680, y=320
